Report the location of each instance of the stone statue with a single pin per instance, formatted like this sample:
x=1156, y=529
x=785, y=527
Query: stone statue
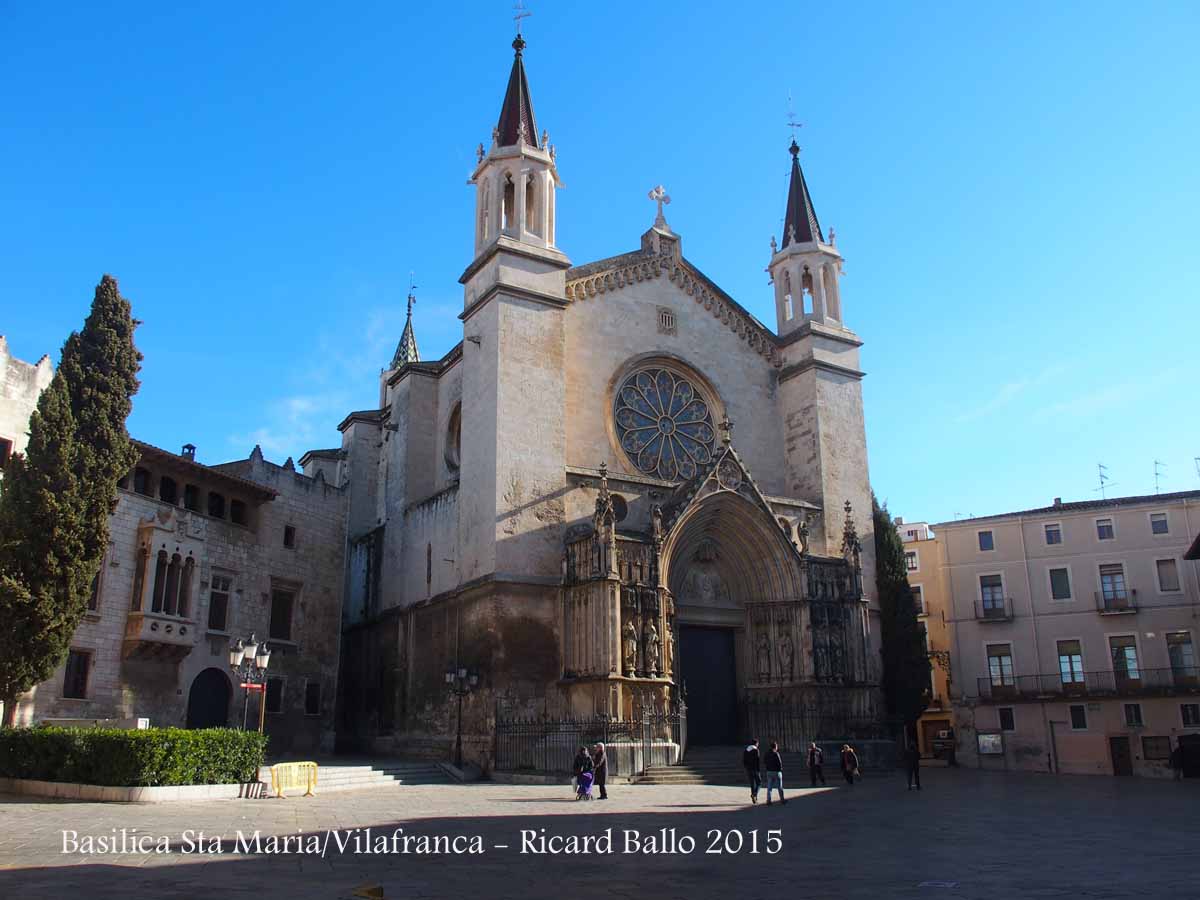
x=774, y=246
x=656, y=523
x=786, y=653
x=650, y=636
x=764, y=657
x=630, y=641
x=479, y=153
x=669, y=656
x=802, y=533
x=545, y=138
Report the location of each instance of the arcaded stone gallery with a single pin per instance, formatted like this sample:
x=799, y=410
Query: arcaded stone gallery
x=619, y=490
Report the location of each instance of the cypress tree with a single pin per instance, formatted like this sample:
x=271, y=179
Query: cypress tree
x=55, y=500
x=906, y=664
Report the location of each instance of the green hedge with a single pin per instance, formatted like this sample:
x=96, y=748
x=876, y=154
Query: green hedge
x=117, y=757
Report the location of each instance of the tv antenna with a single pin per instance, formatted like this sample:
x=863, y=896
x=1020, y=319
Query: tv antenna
x=522, y=13
x=1105, y=481
x=1157, y=474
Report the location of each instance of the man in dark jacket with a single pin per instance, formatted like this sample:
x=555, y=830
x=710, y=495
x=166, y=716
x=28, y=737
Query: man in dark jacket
x=816, y=759
x=774, y=767
x=752, y=762
x=912, y=760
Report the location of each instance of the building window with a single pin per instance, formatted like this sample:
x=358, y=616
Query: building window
x=1133, y=714
x=1159, y=523
x=911, y=562
x=1054, y=534
x=216, y=505
x=1124, y=657
x=1007, y=719
x=918, y=597
x=75, y=679
x=1168, y=575
x=453, y=454
x=237, y=512
x=139, y=578
x=185, y=587
x=664, y=424
x=1000, y=665
x=274, y=694
x=1190, y=713
x=160, y=581
x=1156, y=748
x=666, y=321
x=5, y=452
x=168, y=492
x=191, y=497
x=991, y=592
x=1104, y=529
x=281, y=614
x=428, y=565
x=218, y=603
x=1183, y=657
x=94, y=592
x=1070, y=662
x=312, y=698
x=1112, y=584
x=1060, y=584
x=289, y=537
x=141, y=481
x=986, y=541
x=1079, y=718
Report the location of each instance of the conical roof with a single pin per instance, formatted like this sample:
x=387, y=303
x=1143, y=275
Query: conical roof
x=800, y=223
x=406, y=350
x=518, y=106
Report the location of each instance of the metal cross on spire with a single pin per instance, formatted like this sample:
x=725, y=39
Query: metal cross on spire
x=659, y=195
x=522, y=13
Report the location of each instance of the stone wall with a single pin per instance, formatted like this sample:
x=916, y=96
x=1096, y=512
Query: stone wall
x=21, y=384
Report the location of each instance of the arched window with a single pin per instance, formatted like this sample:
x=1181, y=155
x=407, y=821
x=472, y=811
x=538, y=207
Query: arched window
x=237, y=512
x=216, y=505
x=191, y=498
x=531, y=209
x=485, y=207
x=185, y=586
x=510, y=204
x=428, y=565
x=453, y=453
x=141, y=481
x=171, y=594
x=139, y=579
x=160, y=581
x=168, y=492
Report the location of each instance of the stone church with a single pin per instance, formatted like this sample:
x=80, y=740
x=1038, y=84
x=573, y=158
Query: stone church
x=618, y=489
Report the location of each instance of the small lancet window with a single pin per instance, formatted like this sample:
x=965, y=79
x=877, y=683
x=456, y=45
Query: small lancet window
x=510, y=203
x=531, y=210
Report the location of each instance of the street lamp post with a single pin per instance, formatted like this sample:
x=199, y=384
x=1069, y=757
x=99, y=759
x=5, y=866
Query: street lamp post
x=461, y=683
x=249, y=659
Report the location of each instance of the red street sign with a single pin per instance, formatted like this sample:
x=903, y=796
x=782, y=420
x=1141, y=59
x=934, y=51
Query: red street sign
x=254, y=687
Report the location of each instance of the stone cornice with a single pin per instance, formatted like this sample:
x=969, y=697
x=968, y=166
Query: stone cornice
x=432, y=369
x=512, y=291
x=811, y=363
x=810, y=327
x=505, y=244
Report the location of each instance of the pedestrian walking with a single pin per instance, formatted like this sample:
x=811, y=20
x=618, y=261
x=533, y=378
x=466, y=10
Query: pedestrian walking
x=774, y=767
x=752, y=762
x=584, y=774
x=816, y=762
x=600, y=763
x=849, y=763
x=912, y=761
x=1176, y=761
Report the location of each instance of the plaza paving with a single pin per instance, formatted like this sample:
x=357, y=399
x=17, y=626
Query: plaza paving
x=968, y=834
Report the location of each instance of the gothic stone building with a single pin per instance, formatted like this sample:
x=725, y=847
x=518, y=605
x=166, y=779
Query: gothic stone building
x=200, y=556
x=562, y=505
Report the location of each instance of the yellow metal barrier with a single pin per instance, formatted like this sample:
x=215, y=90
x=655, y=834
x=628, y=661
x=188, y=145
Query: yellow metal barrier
x=293, y=775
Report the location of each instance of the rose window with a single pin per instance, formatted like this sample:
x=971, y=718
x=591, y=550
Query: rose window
x=664, y=424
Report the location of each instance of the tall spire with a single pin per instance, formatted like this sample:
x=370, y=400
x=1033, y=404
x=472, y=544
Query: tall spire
x=516, y=115
x=406, y=350
x=800, y=223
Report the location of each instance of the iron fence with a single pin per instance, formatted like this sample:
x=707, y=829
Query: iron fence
x=544, y=744
x=1133, y=682
x=795, y=724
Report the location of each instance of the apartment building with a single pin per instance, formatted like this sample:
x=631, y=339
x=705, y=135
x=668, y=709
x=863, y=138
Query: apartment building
x=924, y=560
x=1073, y=632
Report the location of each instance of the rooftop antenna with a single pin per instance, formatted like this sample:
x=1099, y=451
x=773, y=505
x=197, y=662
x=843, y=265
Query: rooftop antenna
x=1157, y=465
x=522, y=13
x=1105, y=482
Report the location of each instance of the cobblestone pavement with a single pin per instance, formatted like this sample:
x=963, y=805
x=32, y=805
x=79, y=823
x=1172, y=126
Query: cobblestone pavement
x=968, y=834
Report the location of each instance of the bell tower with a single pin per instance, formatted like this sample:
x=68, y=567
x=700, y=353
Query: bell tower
x=804, y=268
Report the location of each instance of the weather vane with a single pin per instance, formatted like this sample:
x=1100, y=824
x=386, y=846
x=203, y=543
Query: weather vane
x=412, y=295
x=522, y=13
x=791, y=120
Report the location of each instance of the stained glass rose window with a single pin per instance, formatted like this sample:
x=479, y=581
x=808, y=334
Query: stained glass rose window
x=664, y=424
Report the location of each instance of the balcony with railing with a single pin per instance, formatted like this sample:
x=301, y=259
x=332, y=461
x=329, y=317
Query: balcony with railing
x=1119, y=683
x=994, y=609
x=1116, y=601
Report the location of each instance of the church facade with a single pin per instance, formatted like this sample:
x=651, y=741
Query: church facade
x=618, y=488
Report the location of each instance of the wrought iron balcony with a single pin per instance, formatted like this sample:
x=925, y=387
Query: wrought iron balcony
x=994, y=610
x=1131, y=683
x=1116, y=602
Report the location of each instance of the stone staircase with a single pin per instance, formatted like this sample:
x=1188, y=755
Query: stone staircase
x=342, y=775
x=701, y=765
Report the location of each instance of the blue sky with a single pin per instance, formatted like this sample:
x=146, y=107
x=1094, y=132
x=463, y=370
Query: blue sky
x=1014, y=189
